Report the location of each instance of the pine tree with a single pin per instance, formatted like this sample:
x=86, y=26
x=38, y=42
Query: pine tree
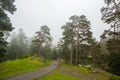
x=43, y=38
x=76, y=34
x=5, y=24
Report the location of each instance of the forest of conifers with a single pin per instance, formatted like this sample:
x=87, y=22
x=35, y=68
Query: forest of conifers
x=77, y=46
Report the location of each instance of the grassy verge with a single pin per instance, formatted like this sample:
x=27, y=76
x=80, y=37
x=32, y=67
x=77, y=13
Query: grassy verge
x=71, y=72
x=11, y=68
x=59, y=74
x=88, y=73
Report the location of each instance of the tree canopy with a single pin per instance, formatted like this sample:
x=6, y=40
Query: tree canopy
x=76, y=34
x=5, y=24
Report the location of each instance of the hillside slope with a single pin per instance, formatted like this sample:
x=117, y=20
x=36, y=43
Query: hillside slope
x=18, y=66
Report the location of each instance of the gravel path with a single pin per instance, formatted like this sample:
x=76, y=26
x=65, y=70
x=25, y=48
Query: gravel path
x=35, y=74
x=69, y=71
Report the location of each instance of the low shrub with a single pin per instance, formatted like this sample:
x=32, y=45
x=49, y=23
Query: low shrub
x=115, y=77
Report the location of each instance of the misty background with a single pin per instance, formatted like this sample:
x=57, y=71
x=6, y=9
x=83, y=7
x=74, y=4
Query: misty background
x=31, y=14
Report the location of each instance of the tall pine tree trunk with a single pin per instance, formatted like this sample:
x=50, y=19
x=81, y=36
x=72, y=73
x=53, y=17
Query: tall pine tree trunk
x=114, y=32
x=117, y=11
x=71, y=54
x=39, y=50
x=77, y=43
x=76, y=56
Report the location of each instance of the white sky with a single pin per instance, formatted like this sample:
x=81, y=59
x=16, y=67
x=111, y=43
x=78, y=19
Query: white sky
x=31, y=14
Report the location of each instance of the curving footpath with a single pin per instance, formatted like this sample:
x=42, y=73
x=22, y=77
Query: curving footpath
x=35, y=74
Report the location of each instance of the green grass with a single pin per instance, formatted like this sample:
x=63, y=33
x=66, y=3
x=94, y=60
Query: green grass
x=58, y=74
x=88, y=73
x=19, y=66
x=71, y=72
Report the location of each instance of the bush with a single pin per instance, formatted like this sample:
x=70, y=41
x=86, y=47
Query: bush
x=115, y=77
x=114, y=58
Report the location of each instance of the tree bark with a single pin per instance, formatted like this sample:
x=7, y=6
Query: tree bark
x=77, y=42
x=116, y=6
x=71, y=54
x=117, y=10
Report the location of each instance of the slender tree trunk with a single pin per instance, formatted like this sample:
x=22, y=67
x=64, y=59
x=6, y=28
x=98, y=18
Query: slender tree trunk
x=116, y=6
x=77, y=42
x=117, y=10
x=114, y=32
x=76, y=56
x=71, y=54
x=39, y=50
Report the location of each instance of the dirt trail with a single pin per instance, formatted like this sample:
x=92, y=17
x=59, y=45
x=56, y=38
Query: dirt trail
x=68, y=71
x=35, y=74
